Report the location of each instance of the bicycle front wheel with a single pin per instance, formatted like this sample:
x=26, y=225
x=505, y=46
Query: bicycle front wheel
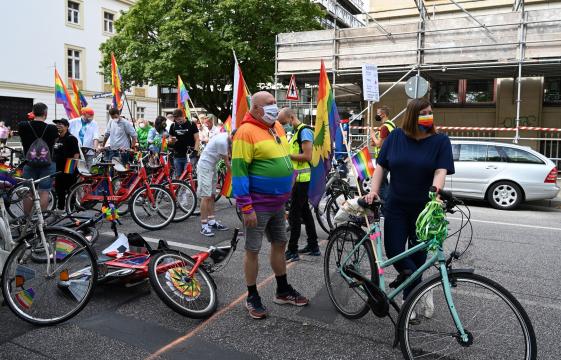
x=44, y=297
x=496, y=324
x=349, y=300
x=193, y=296
x=155, y=213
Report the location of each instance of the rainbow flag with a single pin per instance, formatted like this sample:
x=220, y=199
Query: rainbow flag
x=227, y=126
x=71, y=165
x=325, y=131
x=116, y=81
x=227, y=186
x=362, y=162
x=63, y=248
x=62, y=97
x=25, y=298
x=79, y=99
x=164, y=144
x=183, y=98
x=242, y=97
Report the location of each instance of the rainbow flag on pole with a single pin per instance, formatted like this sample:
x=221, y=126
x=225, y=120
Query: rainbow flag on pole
x=116, y=82
x=183, y=98
x=242, y=97
x=227, y=126
x=326, y=128
x=62, y=97
x=71, y=165
x=79, y=99
x=227, y=186
x=164, y=147
x=362, y=162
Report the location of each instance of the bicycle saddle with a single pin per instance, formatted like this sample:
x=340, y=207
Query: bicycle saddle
x=374, y=206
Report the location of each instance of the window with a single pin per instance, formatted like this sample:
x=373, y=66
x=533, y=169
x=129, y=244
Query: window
x=73, y=65
x=473, y=152
x=552, y=91
x=73, y=12
x=168, y=97
x=455, y=152
x=140, y=112
x=519, y=156
x=463, y=92
x=445, y=92
x=108, y=21
x=493, y=154
x=480, y=91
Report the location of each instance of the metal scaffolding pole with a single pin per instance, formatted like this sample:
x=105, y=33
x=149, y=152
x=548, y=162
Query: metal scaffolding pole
x=420, y=41
x=521, y=56
x=276, y=66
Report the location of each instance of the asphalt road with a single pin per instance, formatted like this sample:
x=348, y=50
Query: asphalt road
x=518, y=249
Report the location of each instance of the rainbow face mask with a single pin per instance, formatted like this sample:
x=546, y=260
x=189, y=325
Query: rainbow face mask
x=425, y=122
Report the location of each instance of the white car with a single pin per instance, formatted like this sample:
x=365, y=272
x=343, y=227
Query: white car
x=503, y=174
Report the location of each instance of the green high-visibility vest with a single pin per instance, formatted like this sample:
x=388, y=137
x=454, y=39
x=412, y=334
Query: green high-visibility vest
x=302, y=168
x=391, y=127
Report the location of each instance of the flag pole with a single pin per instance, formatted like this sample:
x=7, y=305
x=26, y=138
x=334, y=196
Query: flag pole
x=355, y=174
x=128, y=107
x=193, y=106
x=55, y=93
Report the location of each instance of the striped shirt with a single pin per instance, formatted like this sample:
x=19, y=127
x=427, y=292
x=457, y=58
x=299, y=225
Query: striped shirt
x=262, y=172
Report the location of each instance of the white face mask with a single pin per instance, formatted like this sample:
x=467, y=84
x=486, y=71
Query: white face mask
x=271, y=113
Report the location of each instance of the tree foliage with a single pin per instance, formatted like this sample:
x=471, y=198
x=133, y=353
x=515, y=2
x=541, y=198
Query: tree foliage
x=157, y=40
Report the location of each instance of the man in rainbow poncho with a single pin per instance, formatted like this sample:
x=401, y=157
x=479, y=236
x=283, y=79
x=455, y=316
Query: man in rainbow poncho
x=262, y=177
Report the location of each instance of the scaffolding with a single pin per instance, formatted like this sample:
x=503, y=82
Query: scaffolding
x=514, y=44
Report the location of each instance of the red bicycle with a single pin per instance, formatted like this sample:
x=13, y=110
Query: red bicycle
x=184, y=196
x=151, y=206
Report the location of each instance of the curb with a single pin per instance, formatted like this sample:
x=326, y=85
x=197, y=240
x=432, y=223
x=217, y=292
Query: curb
x=551, y=203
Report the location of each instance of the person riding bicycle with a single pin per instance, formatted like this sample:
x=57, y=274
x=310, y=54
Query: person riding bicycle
x=300, y=154
x=121, y=136
x=219, y=147
x=34, y=132
x=85, y=129
x=416, y=157
x=184, y=135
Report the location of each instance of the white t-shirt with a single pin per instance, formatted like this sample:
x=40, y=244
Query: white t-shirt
x=215, y=149
x=89, y=133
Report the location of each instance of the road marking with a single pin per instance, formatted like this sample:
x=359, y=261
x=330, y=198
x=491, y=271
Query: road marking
x=170, y=243
x=215, y=316
x=511, y=224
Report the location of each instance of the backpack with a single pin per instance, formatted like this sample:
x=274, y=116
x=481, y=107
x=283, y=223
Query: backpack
x=38, y=155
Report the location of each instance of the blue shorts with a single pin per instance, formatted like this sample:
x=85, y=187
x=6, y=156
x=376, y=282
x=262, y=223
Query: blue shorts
x=38, y=173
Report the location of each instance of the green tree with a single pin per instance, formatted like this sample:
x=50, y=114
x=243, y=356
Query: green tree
x=157, y=40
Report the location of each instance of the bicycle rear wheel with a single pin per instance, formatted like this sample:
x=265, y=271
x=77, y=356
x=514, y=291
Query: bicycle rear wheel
x=15, y=196
x=349, y=301
x=185, y=199
x=192, y=296
x=497, y=325
x=43, y=298
x=152, y=215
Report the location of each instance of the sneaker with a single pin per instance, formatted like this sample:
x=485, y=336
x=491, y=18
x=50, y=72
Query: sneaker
x=291, y=256
x=310, y=251
x=206, y=231
x=255, y=307
x=218, y=226
x=292, y=297
x=427, y=304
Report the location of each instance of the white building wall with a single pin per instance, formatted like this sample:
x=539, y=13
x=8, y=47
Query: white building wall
x=35, y=33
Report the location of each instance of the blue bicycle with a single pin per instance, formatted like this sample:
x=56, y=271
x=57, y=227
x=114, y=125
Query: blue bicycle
x=452, y=314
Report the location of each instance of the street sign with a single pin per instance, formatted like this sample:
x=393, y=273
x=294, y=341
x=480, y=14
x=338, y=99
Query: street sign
x=102, y=95
x=370, y=85
x=292, y=92
x=416, y=87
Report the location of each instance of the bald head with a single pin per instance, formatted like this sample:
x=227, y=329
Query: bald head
x=258, y=100
x=288, y=116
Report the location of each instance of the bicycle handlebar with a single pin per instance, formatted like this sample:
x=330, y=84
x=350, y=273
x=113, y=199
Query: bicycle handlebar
x=27, y=181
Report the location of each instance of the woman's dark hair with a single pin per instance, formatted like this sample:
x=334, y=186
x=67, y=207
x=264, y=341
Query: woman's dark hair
x=113, y=111
x=410, y=123
x=160, y=123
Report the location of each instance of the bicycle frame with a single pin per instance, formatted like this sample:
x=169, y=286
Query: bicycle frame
x=375, y=236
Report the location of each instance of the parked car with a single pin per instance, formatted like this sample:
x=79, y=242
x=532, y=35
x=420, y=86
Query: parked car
x=503, y=174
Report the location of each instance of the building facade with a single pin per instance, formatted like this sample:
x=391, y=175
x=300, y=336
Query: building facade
x=39, y=35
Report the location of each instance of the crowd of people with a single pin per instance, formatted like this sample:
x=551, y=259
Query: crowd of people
x=268, y=171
